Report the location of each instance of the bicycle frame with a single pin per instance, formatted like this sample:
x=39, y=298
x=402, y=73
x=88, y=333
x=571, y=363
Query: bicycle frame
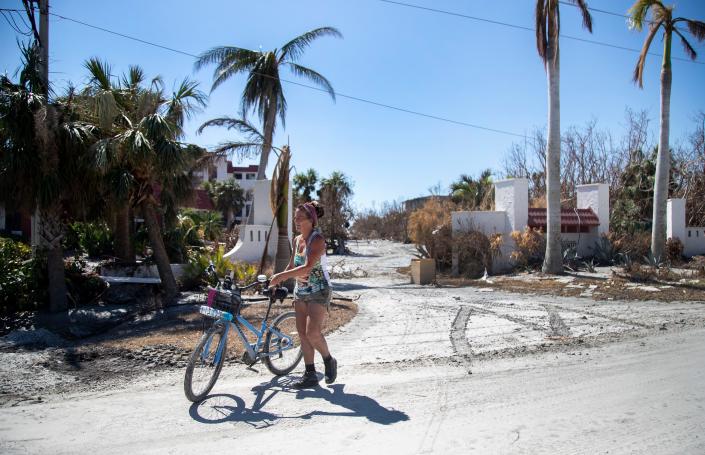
x=253, y=349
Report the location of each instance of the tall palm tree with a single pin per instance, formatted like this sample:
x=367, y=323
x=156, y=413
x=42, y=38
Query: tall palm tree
x=662, y=18
x=146, y=156
x=334, y=194
x=42, y=144
x=305, y=185
x=547, y=32
x=263, y=93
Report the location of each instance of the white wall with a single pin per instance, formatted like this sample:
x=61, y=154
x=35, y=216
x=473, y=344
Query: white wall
x=596, y=196
x=694, y=241
x=250, y=246
x=692, y=237
x=512, y=196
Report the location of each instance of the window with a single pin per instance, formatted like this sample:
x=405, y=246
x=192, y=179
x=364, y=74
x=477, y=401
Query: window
x=247, y=209
x=250, y=176
x=238, y=176
x=690, y=234
x=252, y=238
x=212, y=173
x=259, y=236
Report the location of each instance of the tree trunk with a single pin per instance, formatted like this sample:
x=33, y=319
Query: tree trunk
x=283, y=247
x=123, y=237
x=663, y=159
x=269, y=123
x=50, y=235
x=553, y=260
x=160, y=256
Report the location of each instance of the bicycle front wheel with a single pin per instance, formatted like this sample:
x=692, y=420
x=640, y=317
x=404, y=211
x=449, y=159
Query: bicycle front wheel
x=205, y=363
x=282, y=345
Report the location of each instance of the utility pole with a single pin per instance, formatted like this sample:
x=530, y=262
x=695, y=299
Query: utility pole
x=44, y=42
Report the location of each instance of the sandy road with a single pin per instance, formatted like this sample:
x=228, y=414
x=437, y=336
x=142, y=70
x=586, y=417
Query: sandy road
x=634, y=384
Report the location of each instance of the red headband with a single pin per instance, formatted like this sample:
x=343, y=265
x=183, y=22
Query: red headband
x=311, y=210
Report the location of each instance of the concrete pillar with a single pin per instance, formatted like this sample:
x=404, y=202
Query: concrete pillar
x=675, y=219
x=596, y=196
x=512, y=196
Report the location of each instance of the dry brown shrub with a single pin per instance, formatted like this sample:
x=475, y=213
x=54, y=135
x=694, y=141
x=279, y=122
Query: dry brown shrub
x=636, y=245
x=674, y=250
x=474, y=253
x=429, y=228
x=530, y=246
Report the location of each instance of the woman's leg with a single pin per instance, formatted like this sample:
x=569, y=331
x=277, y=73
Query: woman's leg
x=301, y=309
x=316, y=317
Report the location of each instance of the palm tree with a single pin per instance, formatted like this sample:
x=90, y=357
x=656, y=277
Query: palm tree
x=334, y=194
x=145, y=154
x=476, y=194
x=263, y=93
x=279, y=201
x=305, y=185
x=42, y=144
x=547, y=32
x=228, y=197
x=662, y=18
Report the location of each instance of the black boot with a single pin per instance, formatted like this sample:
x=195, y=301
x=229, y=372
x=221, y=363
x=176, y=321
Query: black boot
x=331, y=369
x=307, y=381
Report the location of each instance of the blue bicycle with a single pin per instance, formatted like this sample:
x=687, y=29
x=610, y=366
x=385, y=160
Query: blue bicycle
x=277, y=344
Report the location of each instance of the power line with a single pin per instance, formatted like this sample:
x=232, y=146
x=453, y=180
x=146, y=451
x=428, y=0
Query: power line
x=337, y=94
x=530, y=29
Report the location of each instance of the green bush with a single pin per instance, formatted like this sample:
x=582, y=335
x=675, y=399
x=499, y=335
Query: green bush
x=196, y=275
x=23, y=279
x=94, y=239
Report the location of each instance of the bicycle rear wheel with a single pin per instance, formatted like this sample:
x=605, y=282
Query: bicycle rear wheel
x=285, y=354
x=205, y=363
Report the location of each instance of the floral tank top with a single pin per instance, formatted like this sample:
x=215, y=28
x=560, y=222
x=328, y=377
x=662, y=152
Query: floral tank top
x=318, y=278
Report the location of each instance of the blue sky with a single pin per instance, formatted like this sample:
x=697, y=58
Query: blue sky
x=470, y=71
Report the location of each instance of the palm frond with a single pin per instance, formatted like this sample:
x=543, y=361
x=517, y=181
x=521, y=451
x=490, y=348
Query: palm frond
x=585, y=12
x=294, y=48
x=313, y=76
x=186, y=101
x=638, y=12
x=686, y=45
x=241, y=125
x=240, y=149
x=541, y=38
x=100, y=73
x=639, y=69
x=697, y=28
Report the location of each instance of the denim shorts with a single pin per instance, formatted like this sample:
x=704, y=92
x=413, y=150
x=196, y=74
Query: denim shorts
x=321, y=297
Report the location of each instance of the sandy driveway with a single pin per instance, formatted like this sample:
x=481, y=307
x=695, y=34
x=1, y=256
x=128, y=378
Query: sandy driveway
x=423, y=370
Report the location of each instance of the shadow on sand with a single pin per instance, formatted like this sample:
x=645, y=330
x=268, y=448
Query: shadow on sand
x=223, y=408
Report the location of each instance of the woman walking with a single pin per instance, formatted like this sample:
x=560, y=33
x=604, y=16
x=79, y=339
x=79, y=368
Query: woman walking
x=312, y=292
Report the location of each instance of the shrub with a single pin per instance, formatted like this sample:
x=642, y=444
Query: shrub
x=530, y=247
x=474, y=253
x=604, y=252
x=429, y=228
x=199, y=261
x=674, y=249
x=23, y=279
x=84, y=286
x=94, y=239
x=636, y=245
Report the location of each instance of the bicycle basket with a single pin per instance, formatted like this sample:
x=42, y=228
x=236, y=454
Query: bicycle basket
x=224, y=300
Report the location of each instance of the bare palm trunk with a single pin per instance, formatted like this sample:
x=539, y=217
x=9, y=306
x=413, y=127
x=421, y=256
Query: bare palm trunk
x=123, y=238
x=160, y=256
x=50, y=235
x=283, y=247
x=553, y=260
x=663, y=159
x=269, y=123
